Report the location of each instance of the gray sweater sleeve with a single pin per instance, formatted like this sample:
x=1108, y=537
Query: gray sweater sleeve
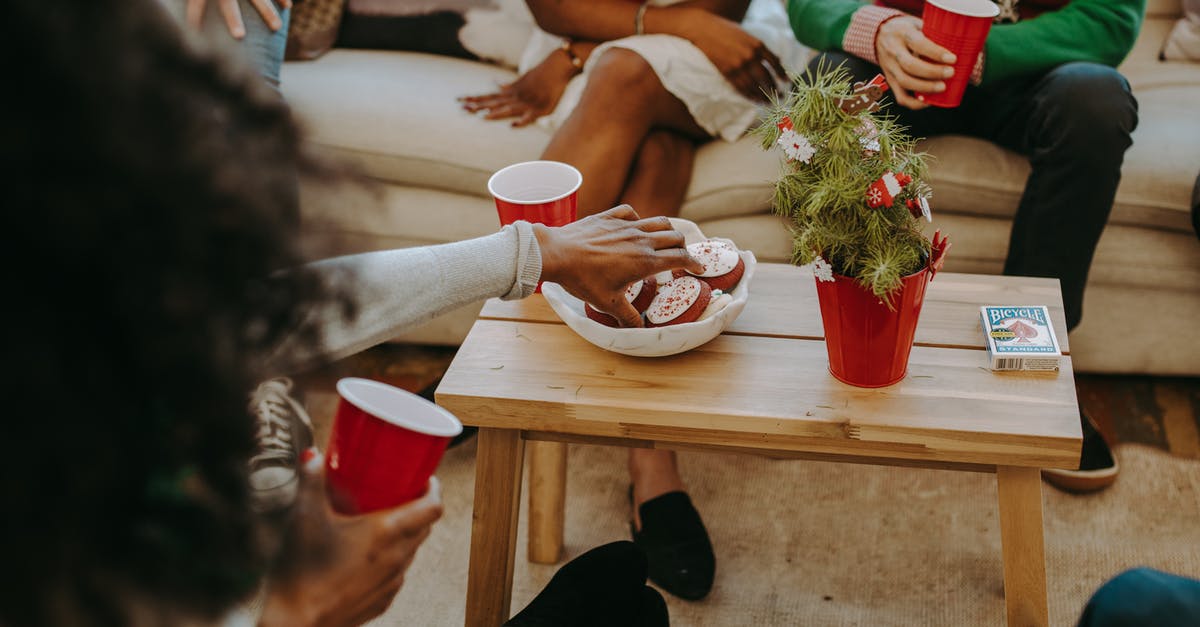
x=397, y=289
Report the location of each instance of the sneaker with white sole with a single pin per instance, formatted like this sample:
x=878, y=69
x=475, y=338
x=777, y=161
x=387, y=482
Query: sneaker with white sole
x=284, y=431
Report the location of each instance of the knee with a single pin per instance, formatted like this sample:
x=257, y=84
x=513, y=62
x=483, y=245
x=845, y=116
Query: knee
x=1089, y=106
x=622, y=75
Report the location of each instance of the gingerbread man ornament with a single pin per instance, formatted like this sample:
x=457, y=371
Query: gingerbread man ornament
x=865, y=96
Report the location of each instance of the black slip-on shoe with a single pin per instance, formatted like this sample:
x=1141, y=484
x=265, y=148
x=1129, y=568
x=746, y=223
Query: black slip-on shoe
x=604, y=587
x=676, y=545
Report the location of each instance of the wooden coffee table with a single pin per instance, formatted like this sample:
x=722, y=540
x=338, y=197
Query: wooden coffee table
x=763, y=387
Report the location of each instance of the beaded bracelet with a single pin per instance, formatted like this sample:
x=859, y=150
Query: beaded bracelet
x=576, y=62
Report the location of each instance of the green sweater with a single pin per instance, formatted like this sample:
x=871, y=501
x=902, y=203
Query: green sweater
x=1101, y=31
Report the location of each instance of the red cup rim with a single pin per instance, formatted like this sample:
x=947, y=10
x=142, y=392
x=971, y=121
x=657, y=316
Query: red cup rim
x=970, y=8
x=525, y=164
x=395, y=406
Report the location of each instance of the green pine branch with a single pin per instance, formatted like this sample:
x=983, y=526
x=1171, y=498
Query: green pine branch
x=826, y=197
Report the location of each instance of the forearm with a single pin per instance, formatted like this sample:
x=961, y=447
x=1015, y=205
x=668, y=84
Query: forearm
x=606, y=20
x=1100, y=31
x=394, y=290
x=821, y=24
x=594, y=20
x=732, y=10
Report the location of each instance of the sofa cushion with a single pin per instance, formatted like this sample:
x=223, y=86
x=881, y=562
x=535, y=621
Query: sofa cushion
x=394, y=114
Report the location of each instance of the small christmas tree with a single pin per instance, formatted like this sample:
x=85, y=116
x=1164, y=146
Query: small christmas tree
x=853, y=182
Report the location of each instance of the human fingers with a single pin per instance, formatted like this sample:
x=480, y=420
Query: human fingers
x=478, y=98
x=434, y=491
x=490, y=101
x=903, y=84
x=526, y=118
x=412, y=518
x=195, y=12
x=287, y=4
x=665, y=239
x=623, y=212
x=268, y=13
x=894, y=56
x=764, y=84
x=233, y=18
x=672, y=258
x=745, y=84
x=625, y=313
x=903, y=97
x=918, y=67
x=908, y=100
x=510, y=109
x=781, y=75
x=656, y=223
x=924, y=46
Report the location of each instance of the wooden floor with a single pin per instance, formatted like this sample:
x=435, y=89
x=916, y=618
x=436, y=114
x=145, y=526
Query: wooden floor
x=1157, y=411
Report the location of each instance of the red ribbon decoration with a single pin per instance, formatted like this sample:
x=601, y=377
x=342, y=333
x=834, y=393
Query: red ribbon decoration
x=937, y=253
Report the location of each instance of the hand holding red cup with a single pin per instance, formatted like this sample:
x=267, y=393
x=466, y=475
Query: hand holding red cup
x=385, y=445
x=962, y=27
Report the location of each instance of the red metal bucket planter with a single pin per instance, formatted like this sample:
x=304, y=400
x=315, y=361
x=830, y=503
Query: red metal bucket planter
x=868, y=342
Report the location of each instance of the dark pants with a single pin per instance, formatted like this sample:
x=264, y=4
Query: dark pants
x=1073, y=123
x=1144, y=597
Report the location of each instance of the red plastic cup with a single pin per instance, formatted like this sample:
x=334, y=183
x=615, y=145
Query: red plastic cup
x=536, y=191
x=960, y=26
x=385, y=445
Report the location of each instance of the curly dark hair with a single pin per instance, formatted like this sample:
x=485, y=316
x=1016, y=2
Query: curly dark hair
x=150, y=190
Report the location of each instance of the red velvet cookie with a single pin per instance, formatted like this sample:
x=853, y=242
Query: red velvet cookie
x=644, y=292
x=723, y=266
x=639, y=294
x=678, y=301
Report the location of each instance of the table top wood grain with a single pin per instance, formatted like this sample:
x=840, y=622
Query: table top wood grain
x=764, y=383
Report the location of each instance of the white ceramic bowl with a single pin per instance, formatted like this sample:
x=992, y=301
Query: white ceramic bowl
x=657, y=341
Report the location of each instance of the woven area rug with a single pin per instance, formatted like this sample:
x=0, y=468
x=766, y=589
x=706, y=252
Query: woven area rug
x=816, y=543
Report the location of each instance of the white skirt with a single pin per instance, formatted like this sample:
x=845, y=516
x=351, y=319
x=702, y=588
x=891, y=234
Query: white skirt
x=682, y=69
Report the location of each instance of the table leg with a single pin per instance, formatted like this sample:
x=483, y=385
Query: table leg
x=1020, y=491
x=498, y=463
x=547, y=500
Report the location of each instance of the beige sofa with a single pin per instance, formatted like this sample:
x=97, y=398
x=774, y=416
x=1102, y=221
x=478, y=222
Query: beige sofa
x=394, y=115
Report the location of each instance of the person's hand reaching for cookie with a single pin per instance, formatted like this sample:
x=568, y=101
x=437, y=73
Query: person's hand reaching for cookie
x=596, y=258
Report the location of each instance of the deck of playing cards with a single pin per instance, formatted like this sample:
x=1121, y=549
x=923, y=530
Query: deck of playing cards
x=1020, y=337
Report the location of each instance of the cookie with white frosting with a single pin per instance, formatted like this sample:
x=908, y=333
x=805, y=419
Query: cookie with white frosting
x=723, y=266
x=678, y=301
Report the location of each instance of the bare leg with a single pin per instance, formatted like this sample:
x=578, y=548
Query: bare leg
x=622, y=102
x=656, y=186
x=654, y=473
x=631, y=140
x=660, y=175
